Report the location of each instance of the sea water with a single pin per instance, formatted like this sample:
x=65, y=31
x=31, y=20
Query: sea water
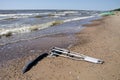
x=27, y=24
x=24, y=32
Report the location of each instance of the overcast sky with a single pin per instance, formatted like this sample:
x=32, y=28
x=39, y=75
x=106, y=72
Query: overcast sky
x=60, y=4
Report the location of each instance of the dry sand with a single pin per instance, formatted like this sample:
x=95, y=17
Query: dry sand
x=100, y=39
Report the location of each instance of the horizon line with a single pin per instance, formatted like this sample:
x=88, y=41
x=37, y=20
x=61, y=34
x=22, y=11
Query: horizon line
x=58, y=9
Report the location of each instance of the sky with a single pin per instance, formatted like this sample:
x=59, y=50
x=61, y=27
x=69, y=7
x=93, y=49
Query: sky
x=60, y=4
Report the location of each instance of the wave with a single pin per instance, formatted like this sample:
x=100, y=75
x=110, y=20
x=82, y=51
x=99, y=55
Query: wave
x=35, y=15
x=21, y=15
x=64, y=13
x=24, y=14
x=25, y=29
x=70, y=12
x=9, y=32
x=76, y=19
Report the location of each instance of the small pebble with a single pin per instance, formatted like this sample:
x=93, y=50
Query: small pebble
x=70, y=72
x=78, y=77
x=32, y=51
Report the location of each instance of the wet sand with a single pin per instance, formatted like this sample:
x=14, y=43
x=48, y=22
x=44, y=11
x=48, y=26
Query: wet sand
x=34, y=46
x=99, y=39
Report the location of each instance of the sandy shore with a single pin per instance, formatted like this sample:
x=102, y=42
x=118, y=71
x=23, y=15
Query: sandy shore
x=100, y=39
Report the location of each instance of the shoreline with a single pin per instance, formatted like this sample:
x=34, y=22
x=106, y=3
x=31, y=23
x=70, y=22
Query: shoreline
x=39, y=44
x=35, y=46
x=99, y=39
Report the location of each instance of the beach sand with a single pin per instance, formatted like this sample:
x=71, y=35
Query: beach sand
x=100, y=39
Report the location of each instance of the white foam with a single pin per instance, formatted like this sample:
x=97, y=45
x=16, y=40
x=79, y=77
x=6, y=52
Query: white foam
x=70, y=12
x=27, y=14
x=6, y=16
x=64, y=13
x=25, y=29
x=21, y=15
x=78, y=18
